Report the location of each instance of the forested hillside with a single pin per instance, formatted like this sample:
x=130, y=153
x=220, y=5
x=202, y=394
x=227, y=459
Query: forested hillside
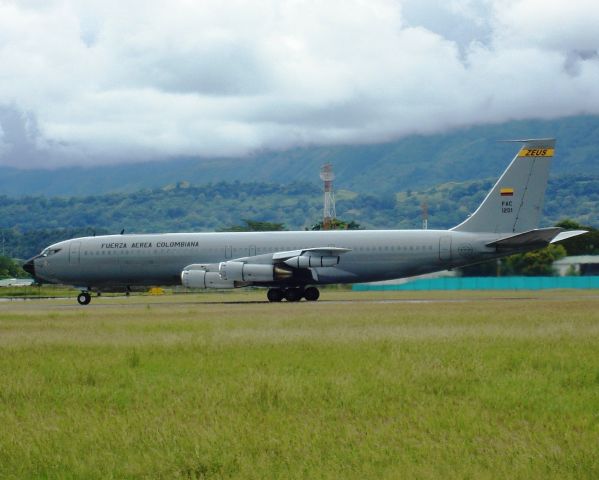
x=27, y=224
x=414, y=162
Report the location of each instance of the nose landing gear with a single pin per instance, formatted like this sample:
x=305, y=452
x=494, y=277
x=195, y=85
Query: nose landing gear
x=84, y=298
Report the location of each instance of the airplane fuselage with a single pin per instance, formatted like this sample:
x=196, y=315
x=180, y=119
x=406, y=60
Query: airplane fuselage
x=158, y=259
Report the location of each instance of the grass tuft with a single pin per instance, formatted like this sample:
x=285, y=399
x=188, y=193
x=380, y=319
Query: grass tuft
x=133, y=359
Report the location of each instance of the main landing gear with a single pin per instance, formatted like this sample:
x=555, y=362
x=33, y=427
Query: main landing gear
x=293, y=294
x=84, y=298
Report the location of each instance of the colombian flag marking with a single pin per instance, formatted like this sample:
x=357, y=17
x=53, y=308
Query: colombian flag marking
x=506, y=192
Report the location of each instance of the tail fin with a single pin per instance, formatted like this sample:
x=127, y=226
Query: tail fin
x=515, y=202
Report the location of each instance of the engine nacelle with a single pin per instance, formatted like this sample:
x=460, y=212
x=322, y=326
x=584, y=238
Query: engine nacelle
x=307, y=261
x=252, y=272
x=203, y=279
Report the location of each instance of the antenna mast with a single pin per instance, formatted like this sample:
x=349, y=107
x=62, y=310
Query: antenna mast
x=424, y=207
x=327, y=176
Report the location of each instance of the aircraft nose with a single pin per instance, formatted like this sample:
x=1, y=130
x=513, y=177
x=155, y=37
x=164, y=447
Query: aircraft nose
x=29, y=267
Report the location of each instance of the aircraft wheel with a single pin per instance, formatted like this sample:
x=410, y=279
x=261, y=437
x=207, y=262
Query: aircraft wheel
x=311, y=294
x=293, y=294
x=274, y=295
x=84, y=298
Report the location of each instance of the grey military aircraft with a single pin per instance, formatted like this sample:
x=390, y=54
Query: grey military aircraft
x=292, y=264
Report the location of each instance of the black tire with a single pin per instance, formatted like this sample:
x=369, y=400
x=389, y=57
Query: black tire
x=274, y=295
x=311, y=294
x=293, y=294
x=84, y=298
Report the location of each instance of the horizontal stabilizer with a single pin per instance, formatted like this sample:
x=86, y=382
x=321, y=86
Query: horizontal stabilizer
x=569, y=234
x=538, y=236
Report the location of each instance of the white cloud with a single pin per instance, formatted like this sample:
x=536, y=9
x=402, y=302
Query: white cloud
x=560, y=25
x=116, y=81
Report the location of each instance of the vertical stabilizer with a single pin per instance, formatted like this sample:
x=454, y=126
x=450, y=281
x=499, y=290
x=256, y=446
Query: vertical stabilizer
x=515, y=202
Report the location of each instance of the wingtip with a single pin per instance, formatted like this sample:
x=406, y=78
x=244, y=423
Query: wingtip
x=564, y=235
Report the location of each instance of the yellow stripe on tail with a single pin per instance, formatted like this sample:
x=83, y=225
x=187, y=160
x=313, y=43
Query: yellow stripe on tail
x=536, y=152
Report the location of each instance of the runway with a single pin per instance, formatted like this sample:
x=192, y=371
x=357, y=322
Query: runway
x=361, y=298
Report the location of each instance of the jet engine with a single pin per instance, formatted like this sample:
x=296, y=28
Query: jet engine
x=252, y=272
x=202, y=279
x=307, y=261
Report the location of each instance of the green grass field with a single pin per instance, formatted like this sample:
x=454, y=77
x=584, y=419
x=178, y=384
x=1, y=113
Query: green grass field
x=227, y=386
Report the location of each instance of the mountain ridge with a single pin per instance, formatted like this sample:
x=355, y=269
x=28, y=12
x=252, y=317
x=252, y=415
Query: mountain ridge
x=417, y=161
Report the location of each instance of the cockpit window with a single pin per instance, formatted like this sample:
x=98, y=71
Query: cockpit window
x=50, y=251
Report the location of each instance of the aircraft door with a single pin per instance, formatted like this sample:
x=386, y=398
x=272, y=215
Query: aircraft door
x=252, y=251
x=228, y=251
x=445, y=247
x=74, y=253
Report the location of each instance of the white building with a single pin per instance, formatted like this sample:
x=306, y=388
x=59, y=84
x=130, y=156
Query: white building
x=15, y=282
x=578, y=265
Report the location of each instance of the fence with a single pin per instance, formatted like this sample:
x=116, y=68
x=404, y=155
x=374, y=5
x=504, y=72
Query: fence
x=486, y=283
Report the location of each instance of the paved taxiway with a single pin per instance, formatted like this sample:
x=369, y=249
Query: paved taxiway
x=123, y=302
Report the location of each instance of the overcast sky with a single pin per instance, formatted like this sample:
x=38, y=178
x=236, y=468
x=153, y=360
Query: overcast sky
x=86, y=81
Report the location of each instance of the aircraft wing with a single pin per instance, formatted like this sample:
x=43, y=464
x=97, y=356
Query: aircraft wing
x=271, y=267
x=301, y=258
x=322, y=251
